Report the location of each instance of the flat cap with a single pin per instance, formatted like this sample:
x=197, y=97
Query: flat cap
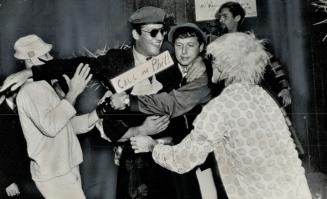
x=187, y=26
x=147, y=15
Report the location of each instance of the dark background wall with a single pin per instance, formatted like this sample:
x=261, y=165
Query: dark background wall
x=76, y=25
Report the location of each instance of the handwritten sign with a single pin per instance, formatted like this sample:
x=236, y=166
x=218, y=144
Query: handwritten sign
x=133, y=76
x=205, y=10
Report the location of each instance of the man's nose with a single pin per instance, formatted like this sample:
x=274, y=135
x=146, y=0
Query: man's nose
x=184, y=50
x=160, y=36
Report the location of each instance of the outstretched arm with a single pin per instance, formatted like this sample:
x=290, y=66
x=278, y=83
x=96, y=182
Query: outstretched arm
x=176, y=103
x=54, y=69
x=192, y=151
x=120, y=131
x=279, y=76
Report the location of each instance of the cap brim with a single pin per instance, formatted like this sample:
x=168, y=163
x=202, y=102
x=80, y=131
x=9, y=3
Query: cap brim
x=187, y=25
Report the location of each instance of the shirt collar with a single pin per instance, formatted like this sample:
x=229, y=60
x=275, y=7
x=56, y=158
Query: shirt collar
x=10, y=104
x=138, y=57
x=183, y=70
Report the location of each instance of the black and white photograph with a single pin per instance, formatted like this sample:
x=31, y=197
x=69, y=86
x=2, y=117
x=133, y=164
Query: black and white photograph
x=163, y=99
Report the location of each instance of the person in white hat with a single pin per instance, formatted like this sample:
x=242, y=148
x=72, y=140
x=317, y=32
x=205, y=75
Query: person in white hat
x=33, y=50
x=49, y=123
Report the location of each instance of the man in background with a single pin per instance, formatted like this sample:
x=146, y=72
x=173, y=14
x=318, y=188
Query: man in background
x=231, y=15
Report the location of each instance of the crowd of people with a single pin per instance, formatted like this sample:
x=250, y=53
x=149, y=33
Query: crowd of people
x=206, y=127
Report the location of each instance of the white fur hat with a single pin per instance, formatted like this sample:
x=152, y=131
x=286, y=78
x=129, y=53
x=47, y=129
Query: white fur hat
x=30, y=47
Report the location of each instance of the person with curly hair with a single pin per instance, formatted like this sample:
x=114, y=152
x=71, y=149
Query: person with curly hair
x=243, y=126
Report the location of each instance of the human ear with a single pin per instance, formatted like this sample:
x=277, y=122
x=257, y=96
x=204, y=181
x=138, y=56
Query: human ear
x=237, y=18
x=135, y=34
x=201, y=47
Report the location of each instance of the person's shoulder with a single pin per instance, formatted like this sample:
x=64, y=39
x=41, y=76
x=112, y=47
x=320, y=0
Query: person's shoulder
x=32, y=84
x=120, y=52
x=33, y=87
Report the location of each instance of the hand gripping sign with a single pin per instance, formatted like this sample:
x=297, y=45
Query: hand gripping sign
x=131, y=77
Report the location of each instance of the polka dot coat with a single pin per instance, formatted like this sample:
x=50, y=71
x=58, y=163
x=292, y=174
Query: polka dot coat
x=251, y=141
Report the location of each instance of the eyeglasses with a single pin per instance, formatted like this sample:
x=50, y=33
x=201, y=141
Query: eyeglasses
x=154, y=32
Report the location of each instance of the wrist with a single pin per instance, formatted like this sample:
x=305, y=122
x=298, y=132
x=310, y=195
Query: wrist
x=93, y=117
x=127, y=101
x=137, y=131
x=141, y=130
x=29, y=72
x=71, y=97
x=153, y=144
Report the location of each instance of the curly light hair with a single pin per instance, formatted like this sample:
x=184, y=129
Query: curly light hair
x=239, y=57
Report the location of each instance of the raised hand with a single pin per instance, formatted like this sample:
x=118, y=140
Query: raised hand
x=103, y=106
x=153, y=125
x=12, y=190
x=78, y=83
x=105, y=96
x=285, y=94
x=16, y=80
x=142, y=144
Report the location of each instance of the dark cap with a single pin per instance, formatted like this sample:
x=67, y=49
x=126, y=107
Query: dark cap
x=186, y=26
x=147, y=15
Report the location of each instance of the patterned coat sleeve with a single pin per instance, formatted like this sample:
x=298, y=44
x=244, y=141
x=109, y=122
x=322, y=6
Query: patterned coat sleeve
x=194, y=148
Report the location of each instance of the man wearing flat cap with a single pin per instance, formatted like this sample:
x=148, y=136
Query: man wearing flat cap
x=182, y=103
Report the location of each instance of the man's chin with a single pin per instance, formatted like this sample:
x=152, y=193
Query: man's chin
x=155, y=52
x=183, y=63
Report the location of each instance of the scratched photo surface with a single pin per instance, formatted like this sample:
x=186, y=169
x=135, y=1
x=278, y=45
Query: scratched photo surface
x=295, y=32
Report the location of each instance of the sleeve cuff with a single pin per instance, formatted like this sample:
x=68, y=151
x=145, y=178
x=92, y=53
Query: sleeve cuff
x=133, y=103
x=37, y=73
x=67, y=107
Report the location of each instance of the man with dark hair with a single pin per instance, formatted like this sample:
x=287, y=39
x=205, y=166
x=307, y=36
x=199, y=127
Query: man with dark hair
x=189, y=43
x=182, y=104
x=231, y=16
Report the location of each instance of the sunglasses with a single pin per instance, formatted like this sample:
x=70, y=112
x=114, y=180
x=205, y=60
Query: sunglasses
x=154, y=32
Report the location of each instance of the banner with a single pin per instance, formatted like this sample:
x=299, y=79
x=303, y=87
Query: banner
x=133, y=76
